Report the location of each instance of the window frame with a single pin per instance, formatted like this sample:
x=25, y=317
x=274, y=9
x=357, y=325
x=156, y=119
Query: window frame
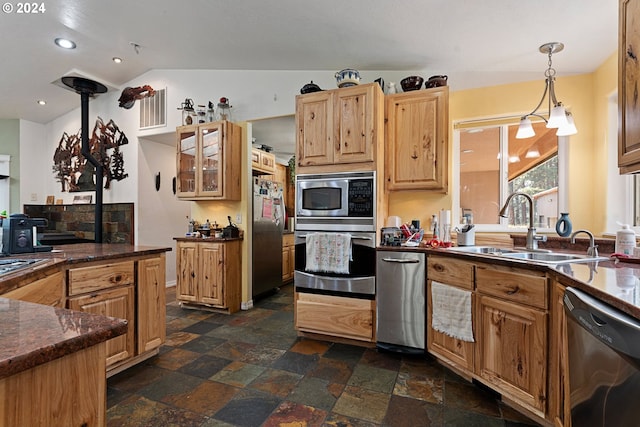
x=503, y=227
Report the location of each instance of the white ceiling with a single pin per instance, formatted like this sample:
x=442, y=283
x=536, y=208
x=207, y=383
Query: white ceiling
x=476, y=43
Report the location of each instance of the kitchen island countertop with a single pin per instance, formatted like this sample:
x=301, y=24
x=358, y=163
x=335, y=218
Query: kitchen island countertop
x=34, y=334
x=71, y=254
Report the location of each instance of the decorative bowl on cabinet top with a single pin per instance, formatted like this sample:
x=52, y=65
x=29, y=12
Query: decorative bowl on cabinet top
x=411, y=83
x=347, y=77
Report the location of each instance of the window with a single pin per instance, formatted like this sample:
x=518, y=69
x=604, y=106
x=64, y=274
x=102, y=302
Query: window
x=494, y=164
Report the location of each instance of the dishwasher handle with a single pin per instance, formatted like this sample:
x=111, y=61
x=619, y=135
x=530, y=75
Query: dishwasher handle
x=614, y=328
x=401, y=260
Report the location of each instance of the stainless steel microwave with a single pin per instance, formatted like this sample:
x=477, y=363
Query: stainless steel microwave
x=336, y=201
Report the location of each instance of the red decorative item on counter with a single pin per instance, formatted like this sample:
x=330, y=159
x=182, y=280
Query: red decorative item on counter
x=406, y=232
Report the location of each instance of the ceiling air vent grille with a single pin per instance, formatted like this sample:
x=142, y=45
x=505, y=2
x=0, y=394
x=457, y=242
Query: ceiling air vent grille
x=153, y=110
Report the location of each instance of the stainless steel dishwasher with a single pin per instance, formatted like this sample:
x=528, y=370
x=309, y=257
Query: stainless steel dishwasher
x=400, y=301
x=604, y=362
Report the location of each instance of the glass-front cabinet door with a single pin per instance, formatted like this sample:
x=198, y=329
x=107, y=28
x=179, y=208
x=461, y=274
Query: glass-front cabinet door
x=211, y=159
x=208, y=161
x=187, y=146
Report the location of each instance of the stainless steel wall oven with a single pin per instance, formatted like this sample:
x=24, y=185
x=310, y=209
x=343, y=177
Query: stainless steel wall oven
x=342, y=203
x=361, y=278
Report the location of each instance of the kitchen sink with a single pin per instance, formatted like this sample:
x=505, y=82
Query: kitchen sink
x=482, y=250
x=551, y=257
x=546, y=257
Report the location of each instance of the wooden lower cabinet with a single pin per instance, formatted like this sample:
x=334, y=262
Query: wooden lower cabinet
x=511, y=351
x=350, y=318
x=454, y=351
x=288, y=257
x=120, y=303
x=510, y=325
x=69, y=391
x=460, y=274
x=209, y=274
x=511, y=317
x=133, y=290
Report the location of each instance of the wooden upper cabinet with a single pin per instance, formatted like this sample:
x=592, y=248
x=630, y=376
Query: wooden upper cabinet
x=417, y=127
x=314, y=122
x=208, y=161
x=339, y=127
x=628, y=81
x=263, y=162
x=354, y=124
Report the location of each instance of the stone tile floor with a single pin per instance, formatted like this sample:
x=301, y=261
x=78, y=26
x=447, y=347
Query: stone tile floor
x=250, y=369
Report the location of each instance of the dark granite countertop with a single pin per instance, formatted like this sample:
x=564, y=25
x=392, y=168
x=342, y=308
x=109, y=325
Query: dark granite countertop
x=70, y=254
x=34, y=334
x=614, y=282
x=206, y=239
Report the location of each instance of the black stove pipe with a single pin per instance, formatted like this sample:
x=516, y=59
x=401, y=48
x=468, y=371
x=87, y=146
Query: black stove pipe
x=87, y=88
x=86, y=152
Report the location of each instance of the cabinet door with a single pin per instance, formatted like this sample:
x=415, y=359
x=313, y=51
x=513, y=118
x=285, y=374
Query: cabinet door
x=151, y=303
x=416, y=140
x=186, y=161
x=212, y=266
x=118, y=303
x=186, y=280
x=511, y=350
x=629, y=79
x=354, y=124
x=210, y=167
x=559, y=405
x=458, y=352
x=314, y=122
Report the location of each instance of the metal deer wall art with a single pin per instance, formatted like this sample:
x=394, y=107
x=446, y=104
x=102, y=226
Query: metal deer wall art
x=74, y=172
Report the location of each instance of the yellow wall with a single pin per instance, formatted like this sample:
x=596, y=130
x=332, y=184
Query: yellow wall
x=586, y=97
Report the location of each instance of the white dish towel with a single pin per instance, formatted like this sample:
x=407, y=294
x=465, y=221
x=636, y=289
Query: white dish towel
x=328, y=252
x=451, y=311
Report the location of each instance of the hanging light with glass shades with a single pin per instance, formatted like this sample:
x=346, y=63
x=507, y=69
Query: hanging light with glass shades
x=558, y=117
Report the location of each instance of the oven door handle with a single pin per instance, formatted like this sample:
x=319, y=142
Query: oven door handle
x=304, y=236
x=401, y=261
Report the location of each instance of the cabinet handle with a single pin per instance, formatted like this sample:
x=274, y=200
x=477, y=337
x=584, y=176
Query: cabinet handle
x=513, y=290
x=438, y=267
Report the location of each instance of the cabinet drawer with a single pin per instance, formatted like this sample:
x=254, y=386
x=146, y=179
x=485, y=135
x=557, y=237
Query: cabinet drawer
x=450, y=271
x=287, y=239
x=90, y=279
x=525, y=286
x=344, y=317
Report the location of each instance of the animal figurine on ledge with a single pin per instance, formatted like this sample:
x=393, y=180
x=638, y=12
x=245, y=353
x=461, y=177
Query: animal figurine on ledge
x=129, y=95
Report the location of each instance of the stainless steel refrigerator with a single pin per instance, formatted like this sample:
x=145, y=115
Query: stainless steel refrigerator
x=268, y=225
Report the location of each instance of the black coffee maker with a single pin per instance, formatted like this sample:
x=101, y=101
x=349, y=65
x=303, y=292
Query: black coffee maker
x=20, y=234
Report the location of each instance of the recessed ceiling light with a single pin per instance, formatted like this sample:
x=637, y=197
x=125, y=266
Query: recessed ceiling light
x=117, y=60
x=65, y=43
x=41, y=102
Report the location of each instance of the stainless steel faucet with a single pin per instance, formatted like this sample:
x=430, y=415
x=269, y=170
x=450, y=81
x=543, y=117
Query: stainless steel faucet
x=532, y=238
x=593, y=248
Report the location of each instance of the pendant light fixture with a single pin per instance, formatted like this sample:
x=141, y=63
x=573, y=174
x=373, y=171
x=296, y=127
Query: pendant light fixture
x=558, y=117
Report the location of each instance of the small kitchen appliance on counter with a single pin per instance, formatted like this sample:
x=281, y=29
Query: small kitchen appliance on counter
x=20, y=235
